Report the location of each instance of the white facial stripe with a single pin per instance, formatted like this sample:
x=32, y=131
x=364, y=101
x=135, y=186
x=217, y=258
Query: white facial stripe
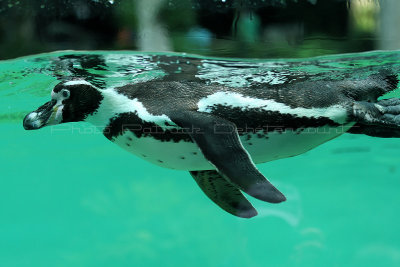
x=56, y=116
x=59, y=96
x=114, y=104
x=335, y=113
x=77, y=82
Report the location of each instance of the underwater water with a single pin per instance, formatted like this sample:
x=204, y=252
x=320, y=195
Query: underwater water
x=69, y=197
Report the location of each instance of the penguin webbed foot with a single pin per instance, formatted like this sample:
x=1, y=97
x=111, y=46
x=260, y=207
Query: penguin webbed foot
x=383, y=113
x=390, y=108
x=223, y=193
x=380, y=119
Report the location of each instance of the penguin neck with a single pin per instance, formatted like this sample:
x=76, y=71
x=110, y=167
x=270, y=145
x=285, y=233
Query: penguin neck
x=113, y=104
x=110, y=106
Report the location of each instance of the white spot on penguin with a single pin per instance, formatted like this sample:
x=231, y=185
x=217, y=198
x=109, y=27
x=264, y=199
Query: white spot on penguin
x=335, y=112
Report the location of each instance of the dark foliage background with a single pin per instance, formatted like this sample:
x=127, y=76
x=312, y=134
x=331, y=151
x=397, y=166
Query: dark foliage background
x=235, y=28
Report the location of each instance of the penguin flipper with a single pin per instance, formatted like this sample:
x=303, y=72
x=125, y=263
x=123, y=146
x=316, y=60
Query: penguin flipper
x=223, y=193
x=219, y=142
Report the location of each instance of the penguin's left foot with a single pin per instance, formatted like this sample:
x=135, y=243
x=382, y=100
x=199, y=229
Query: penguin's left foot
x=390, y=109
x=383, y=113
x=380, y=119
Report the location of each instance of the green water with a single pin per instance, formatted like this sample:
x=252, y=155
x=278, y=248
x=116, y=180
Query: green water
x=69, y=197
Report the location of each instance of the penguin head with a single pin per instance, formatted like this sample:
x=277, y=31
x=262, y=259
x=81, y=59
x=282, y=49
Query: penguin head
x=71, y=101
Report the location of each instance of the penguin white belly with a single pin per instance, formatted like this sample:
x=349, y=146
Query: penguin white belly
x=262, y=147
x=276, y=145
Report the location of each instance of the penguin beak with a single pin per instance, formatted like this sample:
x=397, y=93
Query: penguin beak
x=47, y=114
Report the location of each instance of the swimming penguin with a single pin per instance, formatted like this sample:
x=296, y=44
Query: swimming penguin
x=218, y=133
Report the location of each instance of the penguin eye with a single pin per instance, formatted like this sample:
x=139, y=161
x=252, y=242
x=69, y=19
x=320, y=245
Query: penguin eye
x=65, y=93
